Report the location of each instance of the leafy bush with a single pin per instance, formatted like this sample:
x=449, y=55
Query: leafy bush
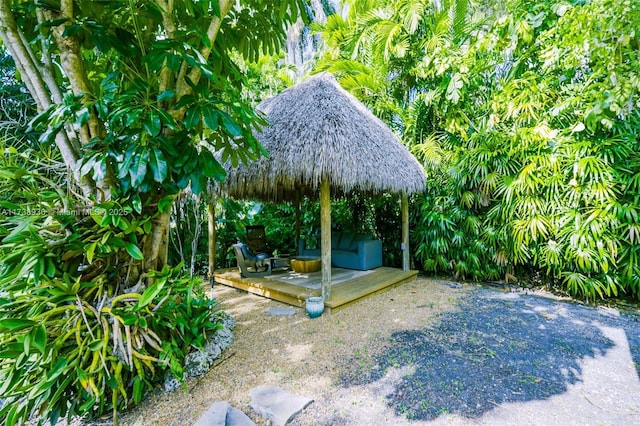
x=76, y=338
x=526, y=115
x=553, y=173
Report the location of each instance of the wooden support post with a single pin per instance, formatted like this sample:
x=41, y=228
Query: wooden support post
x=325, y=237
x=211, y=213
x=404, y=206
x=297, y=201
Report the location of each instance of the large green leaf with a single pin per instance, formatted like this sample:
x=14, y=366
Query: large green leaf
x=210, y=166
x=150, y=293
x=152, y=123
x=39, y=338
x=210, y=115
x=198, y=181
x=230, y=125
x=158, y=165
x=138, y=387
x=192, y=117
x=16, y=324
x=134, y=251
x=139, y=166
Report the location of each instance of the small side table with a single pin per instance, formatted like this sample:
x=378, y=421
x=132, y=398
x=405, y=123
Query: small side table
x=306, y=264
x=280, y=261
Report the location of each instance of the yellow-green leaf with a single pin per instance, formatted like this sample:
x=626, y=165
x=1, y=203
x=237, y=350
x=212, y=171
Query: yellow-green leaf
x=134, y=251
x=40, y=338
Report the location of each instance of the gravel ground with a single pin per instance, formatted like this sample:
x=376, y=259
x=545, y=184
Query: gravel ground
x=427, y=352
x=496, y=348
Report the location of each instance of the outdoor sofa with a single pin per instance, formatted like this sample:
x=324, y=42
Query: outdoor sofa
x=349, y=250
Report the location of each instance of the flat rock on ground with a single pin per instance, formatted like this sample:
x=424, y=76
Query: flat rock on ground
x=223, y=414
x=276, y=404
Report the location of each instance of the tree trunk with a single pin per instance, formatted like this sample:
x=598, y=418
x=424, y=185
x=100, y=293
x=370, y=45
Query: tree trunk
x=40, y=82
x=297, y=202
x=155, y=247
x=406, y=254
x=211, y=214
x=196, y=236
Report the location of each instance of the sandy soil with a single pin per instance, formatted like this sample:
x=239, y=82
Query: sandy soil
x=485, y=356
x=301, y=355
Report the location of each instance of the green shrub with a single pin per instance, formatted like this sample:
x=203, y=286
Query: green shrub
x=542, y=176
x=78, y=335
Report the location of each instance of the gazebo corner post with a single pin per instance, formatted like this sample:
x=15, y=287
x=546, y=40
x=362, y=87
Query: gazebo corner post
x=325, y=237
x=404, y=207
x=211, y=216
x=298, y=220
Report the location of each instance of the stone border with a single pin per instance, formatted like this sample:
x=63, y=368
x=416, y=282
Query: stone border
x=199, y=361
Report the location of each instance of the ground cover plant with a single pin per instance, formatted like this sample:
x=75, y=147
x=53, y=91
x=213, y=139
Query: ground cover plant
x=74, y=339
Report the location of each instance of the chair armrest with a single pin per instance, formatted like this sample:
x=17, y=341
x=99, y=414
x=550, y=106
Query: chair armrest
x=367, y=246
x=370, y=254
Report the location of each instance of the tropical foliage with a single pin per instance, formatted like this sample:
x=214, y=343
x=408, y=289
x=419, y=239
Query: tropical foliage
x=135, y=96
x=525, y=114
x=74, y=342
x=147, y=91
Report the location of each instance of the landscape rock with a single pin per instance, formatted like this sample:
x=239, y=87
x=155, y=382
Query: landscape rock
x=451, y=284
x=276, y=404
x=227, y=320
x=223, y=414
x=199, y=361
x=171, y=384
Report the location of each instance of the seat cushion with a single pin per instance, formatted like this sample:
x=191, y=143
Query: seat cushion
x=335, y=239
x=345, y=241
x=344, y=259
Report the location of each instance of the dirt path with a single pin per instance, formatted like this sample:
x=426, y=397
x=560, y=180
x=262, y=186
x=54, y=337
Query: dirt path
x=426, y=353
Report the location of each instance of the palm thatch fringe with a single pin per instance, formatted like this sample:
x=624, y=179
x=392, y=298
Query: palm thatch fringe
x=317, y=129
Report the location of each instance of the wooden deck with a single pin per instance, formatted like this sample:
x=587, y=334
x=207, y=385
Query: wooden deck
x=342, y=294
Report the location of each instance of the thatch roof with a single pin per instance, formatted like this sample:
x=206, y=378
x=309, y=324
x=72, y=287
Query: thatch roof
x=318, y=129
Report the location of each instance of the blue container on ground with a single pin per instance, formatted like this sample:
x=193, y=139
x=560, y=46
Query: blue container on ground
x=314, y=306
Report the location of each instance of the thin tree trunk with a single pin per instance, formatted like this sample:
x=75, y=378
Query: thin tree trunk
x=212, y=239
x=73, y=65
x=297, y=202
x=196, y=236
x=325, y=237
x=182, y=88
x=177, y=240
x=406, y=254
x=39, y=79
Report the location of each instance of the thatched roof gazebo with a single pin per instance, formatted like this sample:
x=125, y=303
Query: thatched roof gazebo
x=321, y=138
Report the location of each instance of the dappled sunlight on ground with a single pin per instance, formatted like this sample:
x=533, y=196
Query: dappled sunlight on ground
x=299, y=353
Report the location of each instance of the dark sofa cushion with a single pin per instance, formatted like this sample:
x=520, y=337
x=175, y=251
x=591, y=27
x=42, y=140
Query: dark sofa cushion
x=345, y=241
x=357, y=239
x=335, y=239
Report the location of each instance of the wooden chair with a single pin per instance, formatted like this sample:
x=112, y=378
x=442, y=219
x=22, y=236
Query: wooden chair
x=250, y=264
x=257, y=239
